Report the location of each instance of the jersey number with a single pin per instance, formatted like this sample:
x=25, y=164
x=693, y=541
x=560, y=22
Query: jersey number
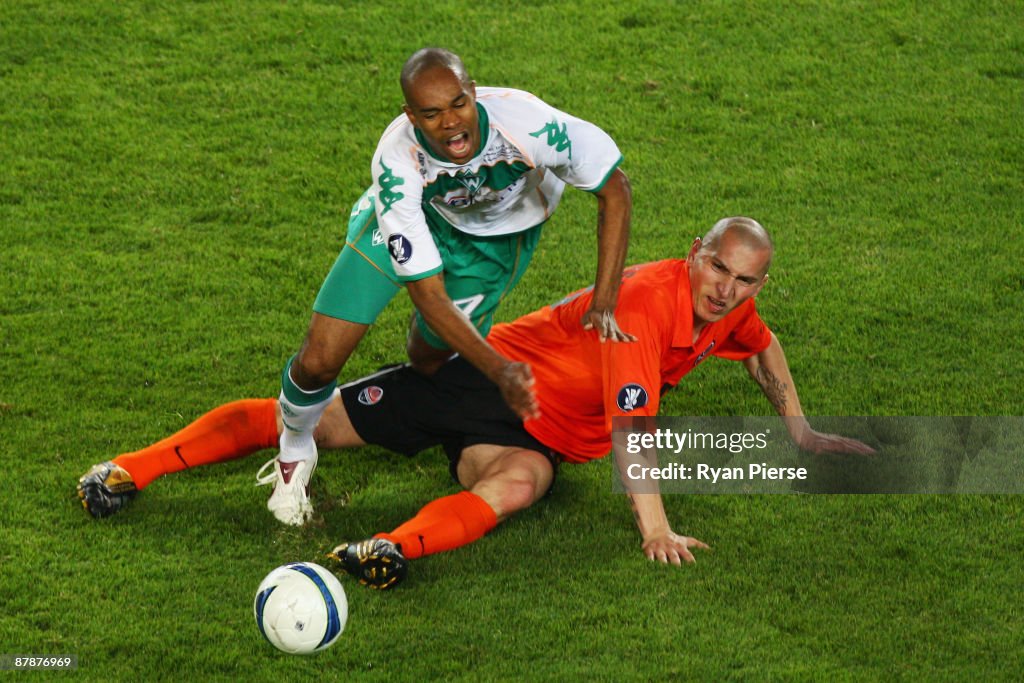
x=469, y=304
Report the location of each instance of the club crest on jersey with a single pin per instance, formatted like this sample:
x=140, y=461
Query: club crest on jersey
x=705, y=352
x=370, y=395
x=378, y=238
x=631, y=397
x=470, y=181
x=400, y=248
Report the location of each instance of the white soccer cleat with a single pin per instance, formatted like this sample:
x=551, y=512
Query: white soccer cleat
x=290, y=499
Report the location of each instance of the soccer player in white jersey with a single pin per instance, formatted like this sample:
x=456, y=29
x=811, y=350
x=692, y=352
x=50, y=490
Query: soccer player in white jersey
x=462, y=184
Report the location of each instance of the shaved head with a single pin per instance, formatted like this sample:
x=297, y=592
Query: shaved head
x=749, y=232
x=427, y=59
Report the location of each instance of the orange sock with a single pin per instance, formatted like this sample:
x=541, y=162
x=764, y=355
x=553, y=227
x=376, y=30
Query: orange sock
x=444, y=524
x=229, y=431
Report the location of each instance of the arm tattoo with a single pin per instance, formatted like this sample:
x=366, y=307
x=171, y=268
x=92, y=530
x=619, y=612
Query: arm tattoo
x=773, y=388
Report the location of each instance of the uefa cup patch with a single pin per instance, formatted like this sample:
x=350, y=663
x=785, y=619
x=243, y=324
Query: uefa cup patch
x=400, y=248
x=631, y=397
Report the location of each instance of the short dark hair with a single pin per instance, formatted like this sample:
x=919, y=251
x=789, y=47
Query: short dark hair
x=429, y=58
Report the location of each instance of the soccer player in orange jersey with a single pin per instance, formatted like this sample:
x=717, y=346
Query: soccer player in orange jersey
x=682, y=311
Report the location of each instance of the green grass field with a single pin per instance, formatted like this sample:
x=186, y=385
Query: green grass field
x=175, y=180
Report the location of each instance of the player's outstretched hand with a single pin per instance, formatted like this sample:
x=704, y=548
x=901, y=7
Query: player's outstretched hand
x=607, y=328
x=818, y=442
x=516, y=384
x=671, y=547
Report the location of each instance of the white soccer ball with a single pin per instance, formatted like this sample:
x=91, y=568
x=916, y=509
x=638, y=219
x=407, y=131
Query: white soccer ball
x=301, y=608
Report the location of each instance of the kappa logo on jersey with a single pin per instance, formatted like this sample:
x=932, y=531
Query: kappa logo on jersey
x=631, y=397
x=400, y=248
x=388, y=195
x=557, y=137
x=378, y=238
x=370, y=395
x=705, y=352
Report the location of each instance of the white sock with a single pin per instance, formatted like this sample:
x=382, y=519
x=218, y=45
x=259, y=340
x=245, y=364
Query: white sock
x=299, y=423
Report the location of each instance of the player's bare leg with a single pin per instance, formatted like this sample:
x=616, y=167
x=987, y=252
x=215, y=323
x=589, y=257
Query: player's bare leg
x=326, y=348
x=508, y=479
x=335, y=429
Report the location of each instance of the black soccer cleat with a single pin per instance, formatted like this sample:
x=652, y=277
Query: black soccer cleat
x=375, y=562
x=105, y=489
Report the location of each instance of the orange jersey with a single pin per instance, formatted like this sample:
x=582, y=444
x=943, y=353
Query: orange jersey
x=582, y=384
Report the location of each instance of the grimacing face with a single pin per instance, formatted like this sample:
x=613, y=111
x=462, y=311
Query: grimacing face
x=724, y=276
x=443, y=109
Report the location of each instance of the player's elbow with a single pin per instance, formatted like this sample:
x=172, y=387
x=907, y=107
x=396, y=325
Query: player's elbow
x=617, y=188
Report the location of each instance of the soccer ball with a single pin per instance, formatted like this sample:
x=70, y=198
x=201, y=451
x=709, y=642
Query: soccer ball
x=301, y=608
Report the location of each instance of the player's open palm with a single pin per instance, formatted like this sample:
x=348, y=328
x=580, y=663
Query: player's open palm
x=670, y=547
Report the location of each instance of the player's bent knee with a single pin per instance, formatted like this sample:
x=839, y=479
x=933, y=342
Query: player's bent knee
x=425, y=359
x=519, y=494
x=506, y=496
x=509, y=479
x=516, y=488
x=312, y=370
x=328, y=344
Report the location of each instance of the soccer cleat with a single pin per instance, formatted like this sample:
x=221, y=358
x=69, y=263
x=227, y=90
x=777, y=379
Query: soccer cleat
x=290, y=499
x=375, y=562
x=105, y=489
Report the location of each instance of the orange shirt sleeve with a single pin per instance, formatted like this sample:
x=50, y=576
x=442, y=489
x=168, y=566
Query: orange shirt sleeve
x=632, y=372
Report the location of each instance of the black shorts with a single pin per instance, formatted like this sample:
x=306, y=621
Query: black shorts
x=457, y=407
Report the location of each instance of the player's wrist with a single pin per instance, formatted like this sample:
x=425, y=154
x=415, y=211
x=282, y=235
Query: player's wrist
x=604, y=303
x=799, y=429
x=655, y=534
x=500, y=370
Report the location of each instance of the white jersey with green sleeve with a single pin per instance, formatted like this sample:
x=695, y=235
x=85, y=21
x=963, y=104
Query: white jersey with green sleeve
x=528, y=151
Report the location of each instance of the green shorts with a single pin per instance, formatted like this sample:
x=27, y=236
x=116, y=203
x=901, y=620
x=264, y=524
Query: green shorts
x=361, y=281
x=478, y=271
